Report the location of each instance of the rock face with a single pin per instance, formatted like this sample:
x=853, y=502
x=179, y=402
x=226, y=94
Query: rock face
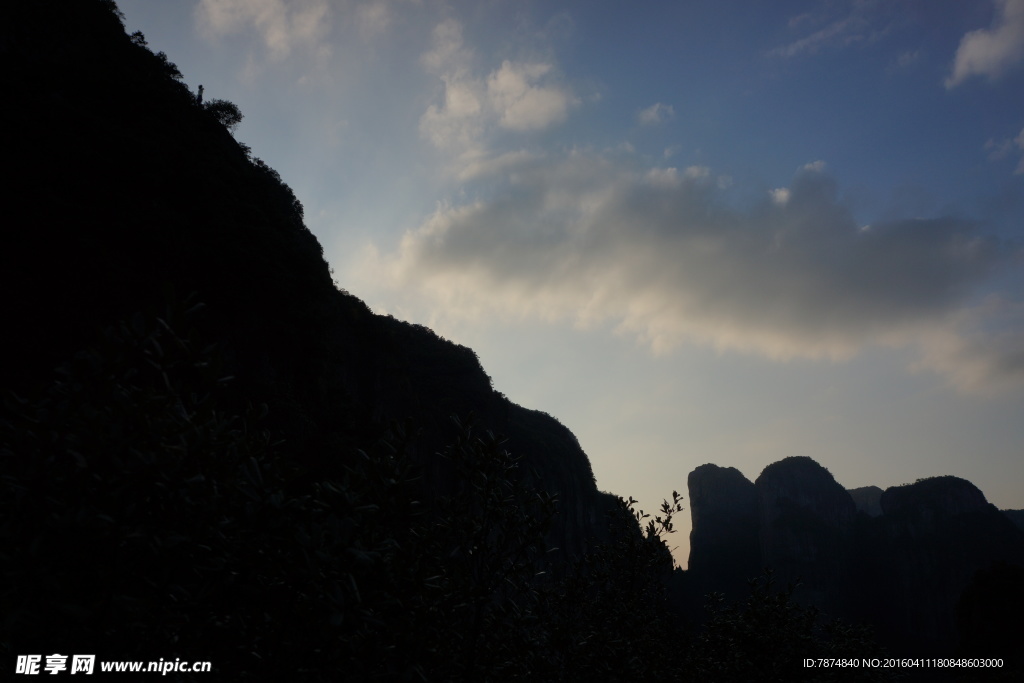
x=904, y=566
x=931, y=540
x=806, y=529
x=868, y=500
x=724, y=549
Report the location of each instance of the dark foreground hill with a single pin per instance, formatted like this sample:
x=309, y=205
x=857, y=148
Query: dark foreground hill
x=182, y=376
x=127, y=195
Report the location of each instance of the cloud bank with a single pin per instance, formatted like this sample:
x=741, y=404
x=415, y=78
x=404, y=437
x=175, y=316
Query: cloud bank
x=659, y=255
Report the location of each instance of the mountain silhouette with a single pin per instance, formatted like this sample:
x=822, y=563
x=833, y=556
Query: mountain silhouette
x=918, y=562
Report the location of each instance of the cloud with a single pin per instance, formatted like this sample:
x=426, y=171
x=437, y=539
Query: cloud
x=657, y=254
x=456, y=124
x=1000, y=149
x=656, y=113
x=991, y=52
x=981, y=348
x=780, y=196
x=521, y=97
x=282, y=25
x=861, y=22
x=485, y=166
x=905, y=62
x=447, y=54
x=838, y=33
x=521, y=103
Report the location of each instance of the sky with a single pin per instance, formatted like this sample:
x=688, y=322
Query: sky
x=725, y=231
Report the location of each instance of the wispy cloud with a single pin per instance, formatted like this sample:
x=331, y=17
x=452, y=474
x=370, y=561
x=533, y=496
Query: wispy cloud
x=991, y=52
x=838, y=33
x=980, y=349
x=856, y=22
x=1000, y=149
x=447, y=53
x=282, y=25
x=659, y=255
x=905, y=62
x=656, y=113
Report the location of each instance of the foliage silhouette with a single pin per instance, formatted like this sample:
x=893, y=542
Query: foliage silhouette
x=227, y=113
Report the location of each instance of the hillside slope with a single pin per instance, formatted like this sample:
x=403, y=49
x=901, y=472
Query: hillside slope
x=127, y=193
x=183, y=372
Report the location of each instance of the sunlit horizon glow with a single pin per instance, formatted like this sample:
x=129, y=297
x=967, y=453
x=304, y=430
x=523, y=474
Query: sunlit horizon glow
x=722, y=232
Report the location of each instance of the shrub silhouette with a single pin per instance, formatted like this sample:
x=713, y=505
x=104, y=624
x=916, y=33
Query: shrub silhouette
x=768, y=636
x=227, y=113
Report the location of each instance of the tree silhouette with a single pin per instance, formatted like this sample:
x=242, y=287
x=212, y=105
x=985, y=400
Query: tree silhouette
x=227, y=113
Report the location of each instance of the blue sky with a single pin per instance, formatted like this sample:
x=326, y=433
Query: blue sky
x=721, y=231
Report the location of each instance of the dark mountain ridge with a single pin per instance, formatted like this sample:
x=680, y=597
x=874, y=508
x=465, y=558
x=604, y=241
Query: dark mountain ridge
x=912, y=569
x=130, y=193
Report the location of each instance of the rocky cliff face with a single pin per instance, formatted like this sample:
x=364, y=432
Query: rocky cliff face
x=903, y=566
x=806, y=529
x=931, y=540
x=724, y=549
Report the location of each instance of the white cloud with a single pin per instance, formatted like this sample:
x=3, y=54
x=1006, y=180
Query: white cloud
x=517, y=96
x=991, y=52
x=780, y=196
x=658, y=255
x=456, y=124
x=281, y=25
x=521, y=103
x=656, y=113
